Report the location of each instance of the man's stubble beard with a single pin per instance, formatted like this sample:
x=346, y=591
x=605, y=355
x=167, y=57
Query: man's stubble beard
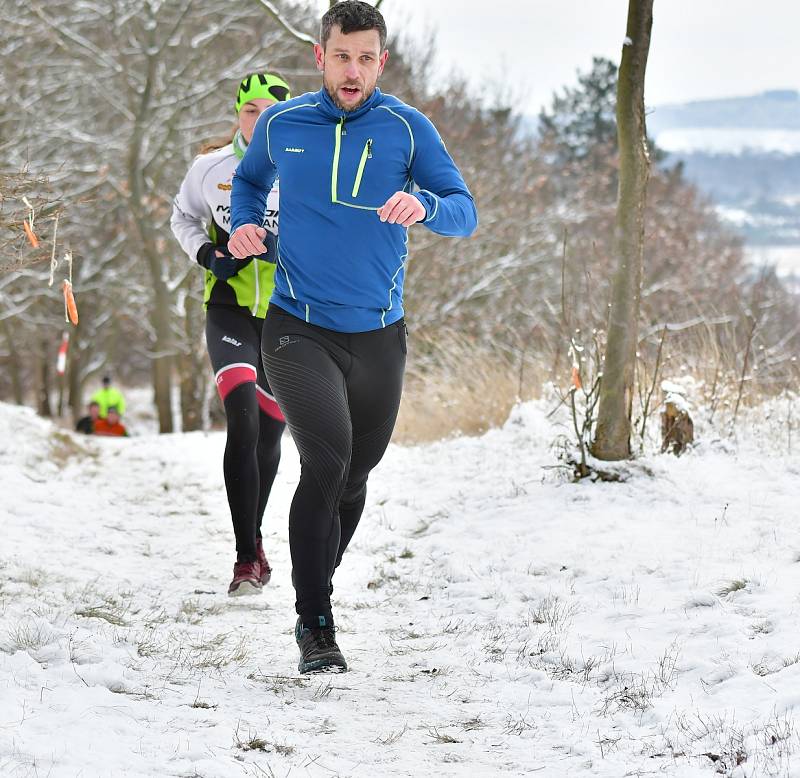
x=332, y=93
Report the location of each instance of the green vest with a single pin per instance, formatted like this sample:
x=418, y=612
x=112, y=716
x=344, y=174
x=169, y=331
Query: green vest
x=106, y=397
x=252, y=286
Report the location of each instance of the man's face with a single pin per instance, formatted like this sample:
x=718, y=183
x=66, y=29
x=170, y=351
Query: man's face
x=113, y=417
x=94, y=411
x=351, y=65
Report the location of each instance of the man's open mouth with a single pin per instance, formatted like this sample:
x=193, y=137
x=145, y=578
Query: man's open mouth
x=351, y=91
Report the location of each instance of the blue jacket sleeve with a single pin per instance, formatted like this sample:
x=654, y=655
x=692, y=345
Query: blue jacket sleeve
x=449, y=206
x=253, y=179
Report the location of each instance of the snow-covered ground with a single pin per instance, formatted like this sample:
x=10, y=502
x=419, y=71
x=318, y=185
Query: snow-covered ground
x=497, y=619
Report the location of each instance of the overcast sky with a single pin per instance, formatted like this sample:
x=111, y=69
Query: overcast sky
x=700, y=48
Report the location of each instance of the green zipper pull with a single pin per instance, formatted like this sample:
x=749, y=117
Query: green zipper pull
x=365, y=155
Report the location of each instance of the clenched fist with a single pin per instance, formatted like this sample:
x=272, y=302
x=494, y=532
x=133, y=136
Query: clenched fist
x=402, y=208
x=247, y=241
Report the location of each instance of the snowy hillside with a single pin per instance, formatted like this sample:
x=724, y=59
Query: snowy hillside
x=744, y=152
x=497, y=620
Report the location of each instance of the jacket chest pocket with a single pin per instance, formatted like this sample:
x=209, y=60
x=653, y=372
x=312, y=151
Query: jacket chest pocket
x=366, y=155
x=355, y=182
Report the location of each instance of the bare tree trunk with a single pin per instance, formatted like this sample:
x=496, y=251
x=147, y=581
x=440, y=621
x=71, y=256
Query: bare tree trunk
x=192, y=366
x=163, y=352
x=14, y=365
x=612, y=436
x=160, y=311
x=45, y=407
x=62, y=388
x=162, y=390
x=74, y=384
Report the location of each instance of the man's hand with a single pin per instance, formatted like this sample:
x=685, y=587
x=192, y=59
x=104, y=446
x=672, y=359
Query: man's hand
x=247, y=241
x=402, y=208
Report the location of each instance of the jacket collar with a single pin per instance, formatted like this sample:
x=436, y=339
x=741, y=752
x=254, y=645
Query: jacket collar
x=331, y=110
x=239, y=144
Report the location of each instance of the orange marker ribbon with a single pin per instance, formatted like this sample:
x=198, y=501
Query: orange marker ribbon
x=31, y=235
x=69, y=302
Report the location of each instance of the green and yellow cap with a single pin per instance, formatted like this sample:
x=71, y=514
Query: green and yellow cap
x=266, y=86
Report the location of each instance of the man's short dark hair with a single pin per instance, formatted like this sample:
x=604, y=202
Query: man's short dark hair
x=352, y=16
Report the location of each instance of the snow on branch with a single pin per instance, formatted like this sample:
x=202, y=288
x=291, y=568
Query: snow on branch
x=70, y=35
x=276, y=14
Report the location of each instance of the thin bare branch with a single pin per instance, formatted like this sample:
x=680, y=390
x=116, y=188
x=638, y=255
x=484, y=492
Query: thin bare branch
x=278, y=16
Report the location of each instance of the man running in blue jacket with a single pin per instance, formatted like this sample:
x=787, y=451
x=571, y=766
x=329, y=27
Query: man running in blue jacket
x=334, y=340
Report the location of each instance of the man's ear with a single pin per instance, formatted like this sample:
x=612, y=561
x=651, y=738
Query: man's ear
x=319, y=56
x=382, y=61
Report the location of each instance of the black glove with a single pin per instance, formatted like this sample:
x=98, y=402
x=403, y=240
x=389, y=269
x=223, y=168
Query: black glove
x=271, y=254
x=219, y=261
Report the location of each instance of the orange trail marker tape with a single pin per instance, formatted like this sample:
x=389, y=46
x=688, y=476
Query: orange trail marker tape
x=31, y=235
x=70, y=308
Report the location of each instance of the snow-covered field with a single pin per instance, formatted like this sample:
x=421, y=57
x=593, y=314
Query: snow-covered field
x=497, y=620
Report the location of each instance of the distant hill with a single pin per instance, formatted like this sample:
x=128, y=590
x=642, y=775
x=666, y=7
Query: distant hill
x=744, y=152
x=777, y=109
x=769, y=122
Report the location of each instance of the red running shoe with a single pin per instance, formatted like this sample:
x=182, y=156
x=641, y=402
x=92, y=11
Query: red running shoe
x=246, y=579
x=266, y=570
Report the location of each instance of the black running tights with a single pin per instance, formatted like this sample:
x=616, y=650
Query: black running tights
x=340, y=393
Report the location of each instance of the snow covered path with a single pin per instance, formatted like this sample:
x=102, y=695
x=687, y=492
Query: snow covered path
x=497, y=621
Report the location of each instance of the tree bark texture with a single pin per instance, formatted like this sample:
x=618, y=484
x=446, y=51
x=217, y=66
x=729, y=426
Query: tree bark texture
x=193, y=365
x=14, y=365
x=612, y=436
x=74, y=383
x=45, y=384
x=160, y=310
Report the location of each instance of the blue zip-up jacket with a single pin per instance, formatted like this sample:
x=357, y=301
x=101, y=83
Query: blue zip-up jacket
x=339, y=266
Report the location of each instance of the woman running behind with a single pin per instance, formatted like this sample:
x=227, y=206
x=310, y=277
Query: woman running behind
x=236, y=296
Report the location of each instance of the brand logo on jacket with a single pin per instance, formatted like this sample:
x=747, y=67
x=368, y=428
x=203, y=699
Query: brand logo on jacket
x=232, y=341
x=294, y=150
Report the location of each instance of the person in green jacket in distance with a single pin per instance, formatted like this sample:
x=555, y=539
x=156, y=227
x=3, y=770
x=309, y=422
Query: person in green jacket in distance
x=108, y=396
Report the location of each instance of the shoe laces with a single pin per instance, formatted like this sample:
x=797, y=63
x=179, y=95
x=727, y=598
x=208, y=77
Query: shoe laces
x=245, y=568
x=326, y=637
x=322, y=637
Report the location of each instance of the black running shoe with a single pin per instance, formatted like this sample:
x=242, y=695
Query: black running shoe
x=318, y=650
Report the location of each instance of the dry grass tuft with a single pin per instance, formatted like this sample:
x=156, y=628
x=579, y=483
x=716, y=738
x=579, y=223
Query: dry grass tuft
x=454, y=386
x=64, y=446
